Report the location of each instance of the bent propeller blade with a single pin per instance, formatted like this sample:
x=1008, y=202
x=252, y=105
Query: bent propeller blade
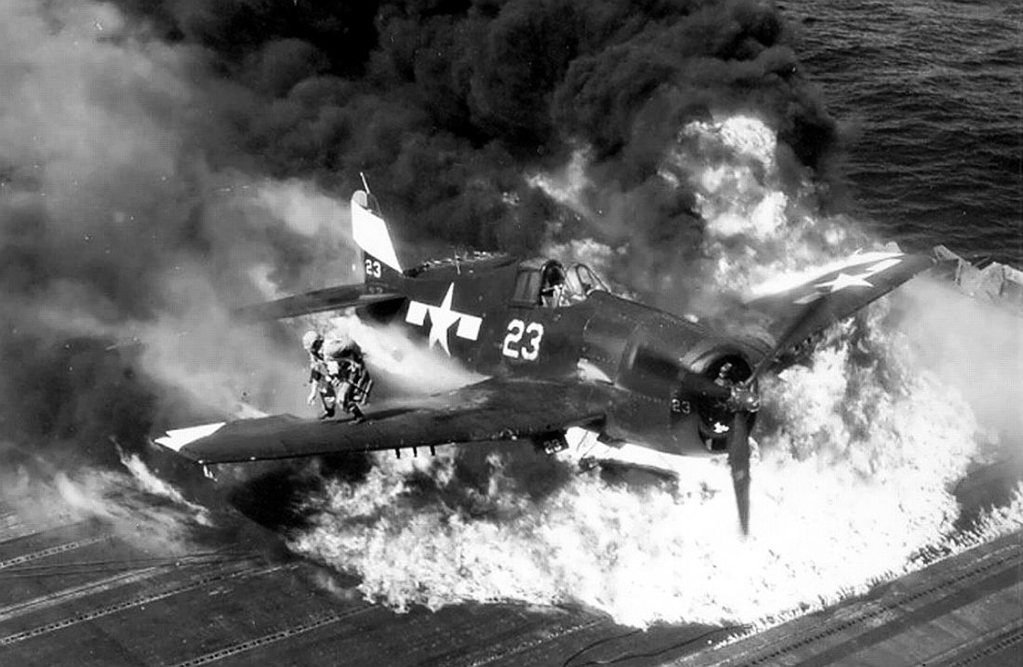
x=738, y=461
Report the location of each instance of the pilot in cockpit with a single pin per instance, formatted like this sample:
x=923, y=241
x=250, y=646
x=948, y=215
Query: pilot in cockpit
x=564, y=288
x=553, y=288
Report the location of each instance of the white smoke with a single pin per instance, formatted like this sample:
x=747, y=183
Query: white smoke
x=738, y=194
x=308, y=211
x=971, y=345
x=406, y=364
x=567, y=187
x=139, y=508
x=147, y=481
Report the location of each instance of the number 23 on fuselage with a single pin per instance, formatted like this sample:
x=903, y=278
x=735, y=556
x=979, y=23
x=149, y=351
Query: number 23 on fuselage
x=499, y=315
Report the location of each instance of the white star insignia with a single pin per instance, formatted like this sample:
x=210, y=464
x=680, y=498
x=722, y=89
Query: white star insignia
x=846, y=280
x=442, y=318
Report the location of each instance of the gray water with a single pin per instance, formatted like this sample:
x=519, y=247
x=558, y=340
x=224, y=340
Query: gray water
x=929, y=95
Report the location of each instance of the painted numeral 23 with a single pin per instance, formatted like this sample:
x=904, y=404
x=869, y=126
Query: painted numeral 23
x=523, y=340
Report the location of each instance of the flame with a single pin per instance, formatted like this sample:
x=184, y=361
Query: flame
x=148, y=482
x=859, y=452
x=51, y=497
x=853, y=481
x=756, y=229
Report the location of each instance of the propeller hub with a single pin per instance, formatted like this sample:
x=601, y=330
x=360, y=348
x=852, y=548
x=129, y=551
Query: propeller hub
x=743, y=399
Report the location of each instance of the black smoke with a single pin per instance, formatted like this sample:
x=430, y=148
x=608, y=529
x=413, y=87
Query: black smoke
x=138, y=131
x=446, y=104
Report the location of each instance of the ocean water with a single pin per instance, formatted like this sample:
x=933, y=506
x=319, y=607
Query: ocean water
x=929, y=96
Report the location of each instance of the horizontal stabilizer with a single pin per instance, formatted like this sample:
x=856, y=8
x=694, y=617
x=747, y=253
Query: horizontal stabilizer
x=330, y=298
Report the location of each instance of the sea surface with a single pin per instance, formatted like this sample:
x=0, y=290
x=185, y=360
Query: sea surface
x=929, y=96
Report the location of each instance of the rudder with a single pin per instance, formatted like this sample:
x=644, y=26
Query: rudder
x=380, y=260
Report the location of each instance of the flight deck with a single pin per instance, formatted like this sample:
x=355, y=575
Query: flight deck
x=80, y=593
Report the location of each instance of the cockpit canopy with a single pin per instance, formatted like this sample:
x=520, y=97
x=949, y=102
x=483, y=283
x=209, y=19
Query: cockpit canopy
x=545, y=282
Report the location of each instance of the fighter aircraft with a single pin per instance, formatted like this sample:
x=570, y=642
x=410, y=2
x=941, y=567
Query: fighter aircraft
x=560, y=351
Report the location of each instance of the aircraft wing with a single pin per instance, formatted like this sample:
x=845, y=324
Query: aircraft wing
x=330, y=298
x=796, y=308
x=495, y=409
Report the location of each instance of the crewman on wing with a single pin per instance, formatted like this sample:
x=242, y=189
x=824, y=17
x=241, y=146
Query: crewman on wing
x=345, y=355
x=319, y=375
x=338, y=374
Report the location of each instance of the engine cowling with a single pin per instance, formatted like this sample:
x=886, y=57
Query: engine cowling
x=716, y=412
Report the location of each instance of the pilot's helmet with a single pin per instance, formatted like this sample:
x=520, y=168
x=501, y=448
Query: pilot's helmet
x=310, y=340
x=336, y=344
x=553, y=274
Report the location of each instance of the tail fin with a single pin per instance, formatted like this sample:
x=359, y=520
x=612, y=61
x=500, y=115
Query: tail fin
x=380, y=261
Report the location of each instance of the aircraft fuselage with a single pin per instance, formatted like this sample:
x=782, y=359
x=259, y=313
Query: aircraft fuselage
x=490, y=315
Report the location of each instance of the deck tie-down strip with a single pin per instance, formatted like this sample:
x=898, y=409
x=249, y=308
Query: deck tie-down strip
x=318, y=621
x=58, y=598
x=53, y=551
x=128, y=604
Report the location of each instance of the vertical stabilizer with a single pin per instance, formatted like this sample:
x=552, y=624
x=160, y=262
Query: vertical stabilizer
x=370, y=233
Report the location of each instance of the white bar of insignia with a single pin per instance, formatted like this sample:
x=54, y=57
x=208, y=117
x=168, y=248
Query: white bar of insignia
x=469, y=327
x=416, y=313
x=181, y=437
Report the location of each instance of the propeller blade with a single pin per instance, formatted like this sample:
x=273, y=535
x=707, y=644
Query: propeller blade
x=738, y=461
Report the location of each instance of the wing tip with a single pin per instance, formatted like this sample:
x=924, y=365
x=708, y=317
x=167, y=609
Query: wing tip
x=881, y=260
x=178, y=439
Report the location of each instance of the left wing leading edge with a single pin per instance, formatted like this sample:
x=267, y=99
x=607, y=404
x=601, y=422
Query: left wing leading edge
x=496, y=409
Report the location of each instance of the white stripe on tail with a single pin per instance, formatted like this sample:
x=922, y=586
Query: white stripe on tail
x=370, y=232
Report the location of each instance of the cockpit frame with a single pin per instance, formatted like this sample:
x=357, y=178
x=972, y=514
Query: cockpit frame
x=545, y=283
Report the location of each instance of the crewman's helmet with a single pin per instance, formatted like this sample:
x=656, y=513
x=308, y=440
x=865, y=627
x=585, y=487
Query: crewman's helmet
x=335, y=344
x=310, y=340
